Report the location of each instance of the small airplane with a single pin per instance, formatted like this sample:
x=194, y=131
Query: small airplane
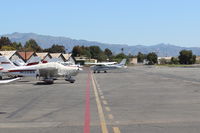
x=47, y=71
x=104, y=67
x=101, y=63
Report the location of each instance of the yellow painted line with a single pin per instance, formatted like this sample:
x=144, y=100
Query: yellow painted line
x=110, y=116
x=116, y=130
x=100, y=109
x=107, y=109
x=100, y=94
x=105, y=102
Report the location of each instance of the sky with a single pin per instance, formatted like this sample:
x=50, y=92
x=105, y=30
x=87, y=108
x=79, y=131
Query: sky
x=132, y=22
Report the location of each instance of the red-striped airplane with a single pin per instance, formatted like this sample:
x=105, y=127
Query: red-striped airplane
x=47, y=71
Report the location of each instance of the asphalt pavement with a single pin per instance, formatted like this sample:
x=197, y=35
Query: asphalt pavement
x=140, y=99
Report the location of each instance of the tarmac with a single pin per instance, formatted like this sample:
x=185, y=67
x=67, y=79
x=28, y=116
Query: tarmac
x=139, y=99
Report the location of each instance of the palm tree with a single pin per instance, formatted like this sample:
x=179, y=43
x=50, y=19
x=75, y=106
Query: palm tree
x=122, y=49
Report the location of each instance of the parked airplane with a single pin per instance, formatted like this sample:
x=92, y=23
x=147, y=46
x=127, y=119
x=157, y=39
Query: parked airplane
x=48, y=71
x=101, y=63
x=104, y=67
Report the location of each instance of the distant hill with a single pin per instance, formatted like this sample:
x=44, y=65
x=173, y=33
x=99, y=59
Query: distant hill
x=46, y=41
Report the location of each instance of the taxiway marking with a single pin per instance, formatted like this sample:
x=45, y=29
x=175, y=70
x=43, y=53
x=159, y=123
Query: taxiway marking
x=105, y=102
x=116, y=130
x=100, y=109
x=110, y=116
x=107, y=109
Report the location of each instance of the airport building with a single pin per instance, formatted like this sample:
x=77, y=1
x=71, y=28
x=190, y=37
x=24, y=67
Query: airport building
x=45, y=56
x=11, y=55
x=84, y=60
x=164, y=60
x=58, y=57
x=26, y=57
x=133, y=60
x=69, y=58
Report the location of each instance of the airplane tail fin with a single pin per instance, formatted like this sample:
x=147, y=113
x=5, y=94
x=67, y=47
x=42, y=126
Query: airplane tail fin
x=6, y=63
x=123, y=62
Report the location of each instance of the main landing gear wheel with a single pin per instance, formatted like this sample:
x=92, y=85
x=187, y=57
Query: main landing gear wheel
x=70, y=79
x=105, y=71
x=48, y=81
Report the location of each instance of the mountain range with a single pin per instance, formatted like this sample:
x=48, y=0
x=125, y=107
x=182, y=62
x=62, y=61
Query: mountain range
x=45, y=41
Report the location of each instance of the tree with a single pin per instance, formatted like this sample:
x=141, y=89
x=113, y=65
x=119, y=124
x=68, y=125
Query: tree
x=174, y=60
x=7, y=48
x=55, y=48
x=81, y=51
x=187, y=57
x=141, y=57
x=121, y=56
x=108, y=52
x=95, y=52
x=5, y=41
x=32, y=45
x=17, y=46
x=76, y=51
x=122, y=49
x=163, y=61
x=152, y=58
x=102, y=57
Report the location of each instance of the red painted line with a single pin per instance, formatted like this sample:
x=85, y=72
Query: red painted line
x=21, y=70
x=87, y=105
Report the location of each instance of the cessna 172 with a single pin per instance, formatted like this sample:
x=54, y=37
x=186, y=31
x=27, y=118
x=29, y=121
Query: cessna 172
x=101, y=63
x=104, y=67
x=47, y=71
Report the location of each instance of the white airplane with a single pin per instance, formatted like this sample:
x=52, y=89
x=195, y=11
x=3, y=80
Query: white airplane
x=1, y=68
x=104, y=67
x=47, y=71
x=101, y=63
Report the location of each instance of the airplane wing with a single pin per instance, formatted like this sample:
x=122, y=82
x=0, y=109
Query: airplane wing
x=8, y=80
x=100, y=63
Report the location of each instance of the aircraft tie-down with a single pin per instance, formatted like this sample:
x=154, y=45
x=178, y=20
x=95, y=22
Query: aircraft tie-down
x=47, y=72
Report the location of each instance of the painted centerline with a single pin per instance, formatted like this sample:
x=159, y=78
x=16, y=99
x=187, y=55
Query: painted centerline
x=107, y=109
x=100, y=109
x=116, y=130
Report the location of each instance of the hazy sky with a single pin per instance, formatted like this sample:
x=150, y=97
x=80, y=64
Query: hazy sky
x=133, y=22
